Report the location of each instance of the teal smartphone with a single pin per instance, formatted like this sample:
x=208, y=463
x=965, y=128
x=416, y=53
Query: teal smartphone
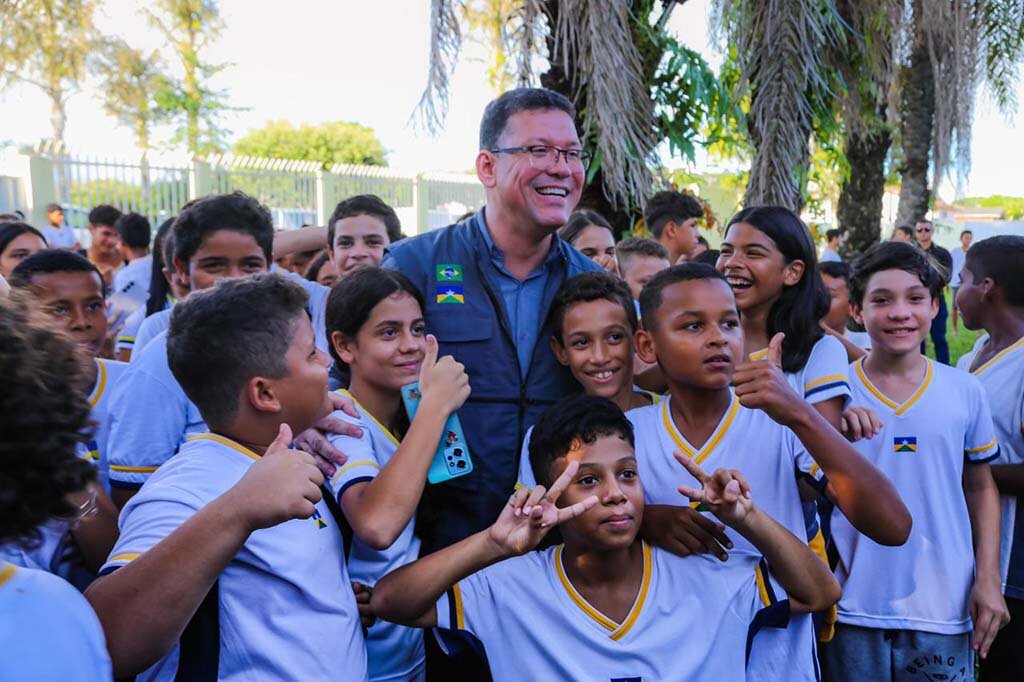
x=452, y=457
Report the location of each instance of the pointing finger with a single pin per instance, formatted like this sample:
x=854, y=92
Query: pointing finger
x=692, y=467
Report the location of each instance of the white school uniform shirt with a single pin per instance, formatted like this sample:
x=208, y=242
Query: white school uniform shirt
x=690, y=620
x=48, y=632
x=128, y=336
x=526, y=477
x=924, y=584
x=859, y=339
x=1002, y=377
x=283, y=607
x=824, y=376
x=97, y=448
x=394, y=652
x=151, y=417
x=132, y=281
x=151, y=327
x=771, y=458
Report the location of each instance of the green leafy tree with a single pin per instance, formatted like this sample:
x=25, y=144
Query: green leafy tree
x=131, y=80
x=189, y=26
x=326, y=143
x=46, y=43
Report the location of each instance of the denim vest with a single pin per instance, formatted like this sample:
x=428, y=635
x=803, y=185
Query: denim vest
x=454, y=262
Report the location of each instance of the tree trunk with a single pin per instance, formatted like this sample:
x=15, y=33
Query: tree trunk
x=58, y=119
x=860, y=201
x=916, y=121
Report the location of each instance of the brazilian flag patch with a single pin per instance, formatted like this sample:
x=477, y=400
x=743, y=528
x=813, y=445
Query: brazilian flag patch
x=450, y=294
x=904, y=444
x=448, y=272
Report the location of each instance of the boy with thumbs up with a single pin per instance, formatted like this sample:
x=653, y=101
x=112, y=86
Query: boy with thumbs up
x=229, y=562
x=761, y=427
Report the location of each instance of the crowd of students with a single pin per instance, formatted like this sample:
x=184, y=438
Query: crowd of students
x=757, y=475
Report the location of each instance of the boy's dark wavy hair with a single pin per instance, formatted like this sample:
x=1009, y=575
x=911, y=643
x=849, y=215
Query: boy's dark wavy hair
x=44, y=414
x=798, y=311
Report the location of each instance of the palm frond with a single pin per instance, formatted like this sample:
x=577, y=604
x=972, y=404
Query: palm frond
x=524, y=39
x=445, y=45
x=597, y=48
x=1003, y=34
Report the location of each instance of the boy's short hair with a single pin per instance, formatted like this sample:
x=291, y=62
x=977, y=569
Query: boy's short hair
x=222, y=337
x=134, y=230
x=670, y=205
x=500, y=110
x=894, y=256
x=628, y=249
x=44, y=414
x=590, y=286
x=105, y=215
x=1001, y=259
x=577, y=419
x=832, y=234
x=236, y=211
x=50, y=208
x=366, y=204
x=709, y=257
x=970, y=232
x=52, y=260
x=650, y=295
x=835, y=269
x=905, y=229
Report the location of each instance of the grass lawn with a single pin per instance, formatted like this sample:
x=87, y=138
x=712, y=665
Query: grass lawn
x=958, y=345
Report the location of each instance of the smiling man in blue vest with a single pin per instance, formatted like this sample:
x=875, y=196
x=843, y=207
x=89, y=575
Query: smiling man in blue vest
x=488, y=284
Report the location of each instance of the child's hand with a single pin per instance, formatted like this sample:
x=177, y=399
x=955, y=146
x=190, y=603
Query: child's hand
x=725, y=492
x=283, y=485
x=315, y=440
x=861, y=422
x=530, y=514
x=443, y=383
x=988, y=613
x=684, y=531
x=761, y=385
x=366, y=615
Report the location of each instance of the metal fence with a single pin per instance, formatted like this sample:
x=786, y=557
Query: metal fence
x=296, y=192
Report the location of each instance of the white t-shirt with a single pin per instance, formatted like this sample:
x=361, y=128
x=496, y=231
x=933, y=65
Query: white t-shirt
x=690, y=620
x=959, y=258
x=1002, y=377
x=828, y=255
x=151, y=416
x=132, y=281
x=63, y=237
x=284, y=604
x=771, y=458
x=48, y=632
x=859, y=339
x=924, y=584
x=394, y=652
x=824, y=376
x=126, y=339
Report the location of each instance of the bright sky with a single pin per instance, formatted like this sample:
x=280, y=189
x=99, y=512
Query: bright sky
x=319, y=60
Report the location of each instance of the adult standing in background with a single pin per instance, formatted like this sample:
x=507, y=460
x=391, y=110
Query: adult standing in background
x=925, y=232
x=58, y=234
x=488, y=283
x=959, y=258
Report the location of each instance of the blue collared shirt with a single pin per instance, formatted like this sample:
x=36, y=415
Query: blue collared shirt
x=522, y=298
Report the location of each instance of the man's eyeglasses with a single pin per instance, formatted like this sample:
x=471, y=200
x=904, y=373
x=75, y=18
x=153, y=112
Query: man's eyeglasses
x=545, y=157
x=924, y=229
